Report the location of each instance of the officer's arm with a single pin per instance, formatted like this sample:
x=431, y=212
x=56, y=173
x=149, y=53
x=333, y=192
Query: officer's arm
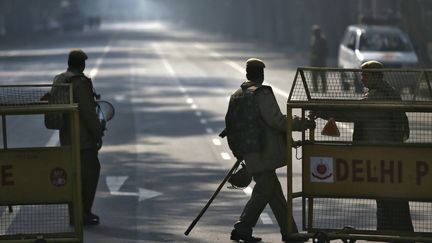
x=87, y=110
x=340, y=115
x=270, y=111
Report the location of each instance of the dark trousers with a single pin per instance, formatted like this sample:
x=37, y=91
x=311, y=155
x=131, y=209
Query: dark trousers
x=394, y=215
x=90, y=170
x=267, y=190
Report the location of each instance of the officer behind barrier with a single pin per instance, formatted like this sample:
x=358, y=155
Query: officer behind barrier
x=90, y=129
x=379, y=126
x=256, y=131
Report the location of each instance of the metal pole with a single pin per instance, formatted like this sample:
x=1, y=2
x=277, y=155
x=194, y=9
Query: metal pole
x=4, y=130
x=289, y=172
x=192, y=225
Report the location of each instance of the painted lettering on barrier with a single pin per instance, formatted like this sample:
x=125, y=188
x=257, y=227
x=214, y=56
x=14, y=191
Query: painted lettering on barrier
x=422, y=170
x=364, y=171
x=382, y=171
x=6, y=175
x=369, y=171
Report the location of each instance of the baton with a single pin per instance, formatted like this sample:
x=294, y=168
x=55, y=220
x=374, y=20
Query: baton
x=192, y=225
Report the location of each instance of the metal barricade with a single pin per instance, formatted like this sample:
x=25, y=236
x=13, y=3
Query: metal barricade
x=40, y=186
x=366, y=160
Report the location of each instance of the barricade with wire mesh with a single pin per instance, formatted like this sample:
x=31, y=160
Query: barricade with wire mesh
x=40, y=197
x=366, y=167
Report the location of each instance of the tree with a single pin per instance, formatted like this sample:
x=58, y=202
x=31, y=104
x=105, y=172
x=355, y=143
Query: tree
x=414, y=26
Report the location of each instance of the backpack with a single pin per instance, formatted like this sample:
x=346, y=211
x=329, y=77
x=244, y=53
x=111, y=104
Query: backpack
x=245, y=128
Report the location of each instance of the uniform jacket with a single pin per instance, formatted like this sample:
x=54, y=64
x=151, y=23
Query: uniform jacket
x=90, y=128
x=274, y=151
x=375, y=125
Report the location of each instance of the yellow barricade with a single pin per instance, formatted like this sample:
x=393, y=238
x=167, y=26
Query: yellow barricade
x=40, y=186
x=366, y=157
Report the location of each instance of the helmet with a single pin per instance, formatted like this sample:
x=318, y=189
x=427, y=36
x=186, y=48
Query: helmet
x=241, y=178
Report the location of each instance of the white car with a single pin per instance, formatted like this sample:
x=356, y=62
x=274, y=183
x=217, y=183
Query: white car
x=386, y=44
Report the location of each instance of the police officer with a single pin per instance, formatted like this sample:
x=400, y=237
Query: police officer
x=256, y=132
x=391, y=215
x=379, y=126
x=318, y=57
x=90, y=129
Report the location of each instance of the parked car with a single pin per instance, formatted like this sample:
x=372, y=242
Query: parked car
x=386, y=44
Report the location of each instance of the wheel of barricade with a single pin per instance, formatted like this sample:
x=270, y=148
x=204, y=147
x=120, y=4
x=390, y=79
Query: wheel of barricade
x=320, y=237
x=348, y=240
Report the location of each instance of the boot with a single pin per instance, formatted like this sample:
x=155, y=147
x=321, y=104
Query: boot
x=236, y=236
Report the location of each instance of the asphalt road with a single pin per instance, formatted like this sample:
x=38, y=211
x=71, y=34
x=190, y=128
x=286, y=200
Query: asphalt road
x=162, y=158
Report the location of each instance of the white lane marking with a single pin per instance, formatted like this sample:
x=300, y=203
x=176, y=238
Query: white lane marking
x=203, y=121
x=114, y=183
x=217, y=141
x=182, y=89
x=265, y=218
x=144, y=194
x=215, y=54
x=209, y=130
x=173, y=74
x=240, y=69
x=235, y=66
x=119, y=97
x=136, y=100
x=199, y=46
x=225, y=156
x=166, y=64
x=99, y=62
x=198, y=113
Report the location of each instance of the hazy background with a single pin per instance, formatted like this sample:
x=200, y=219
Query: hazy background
x=285, y=23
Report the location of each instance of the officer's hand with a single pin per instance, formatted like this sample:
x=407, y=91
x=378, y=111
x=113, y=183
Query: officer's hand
x=103, y=125
x=99, y=144
x=314, y=114
x=296, y=144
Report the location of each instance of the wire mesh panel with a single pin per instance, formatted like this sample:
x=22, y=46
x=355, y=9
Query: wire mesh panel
x=15, y=95
x=352, y=84
x=355, y=120
x=361, y=214
x=35, y=219
x=381, y=125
